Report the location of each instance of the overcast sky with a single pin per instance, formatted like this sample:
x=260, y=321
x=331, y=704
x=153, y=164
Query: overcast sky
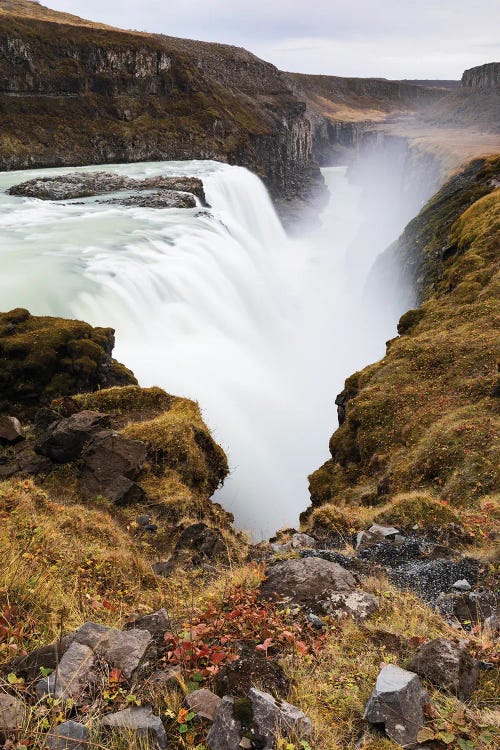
x=388, y=38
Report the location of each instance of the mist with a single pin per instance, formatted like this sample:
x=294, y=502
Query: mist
x=223, y=307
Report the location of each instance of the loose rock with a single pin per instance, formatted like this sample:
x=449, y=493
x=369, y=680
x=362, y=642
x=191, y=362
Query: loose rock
x=303, y=540
x=398, y=702
x=141, y=720
x=124, y=650
x=449, y=665
x=64, y=440
x=225, y=732
x=73, y=675
x=110, y=464
x=13, y=714
x=10, y=431
x=204, y=703
x=269, y=717
x=68, y=736
x=356, y=604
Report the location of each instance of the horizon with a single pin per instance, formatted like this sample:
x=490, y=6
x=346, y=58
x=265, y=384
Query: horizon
x=393, y=40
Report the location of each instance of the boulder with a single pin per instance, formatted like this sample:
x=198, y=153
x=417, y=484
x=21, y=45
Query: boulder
x=225, y=733
x=204, y=703
x=398, y=702
x=141, y=721
x=68, y=736
x=110, y=464
x=271, y=717
x=13, y=714
x=10, y=431
x=448, y=665
x=238, y=677
x=64, y=440
x=124, y=650
x=73, y=675
x=307, y=581
x=356, y=604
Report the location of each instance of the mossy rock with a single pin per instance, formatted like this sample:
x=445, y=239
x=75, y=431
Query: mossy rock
x=43, y=358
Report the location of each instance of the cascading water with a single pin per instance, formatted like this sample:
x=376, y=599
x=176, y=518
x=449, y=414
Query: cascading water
x=216, y=305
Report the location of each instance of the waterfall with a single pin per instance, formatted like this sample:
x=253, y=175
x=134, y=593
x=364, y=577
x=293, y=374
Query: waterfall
x=218, y=305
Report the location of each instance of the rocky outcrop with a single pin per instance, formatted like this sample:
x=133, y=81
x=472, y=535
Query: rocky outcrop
x=482, y=77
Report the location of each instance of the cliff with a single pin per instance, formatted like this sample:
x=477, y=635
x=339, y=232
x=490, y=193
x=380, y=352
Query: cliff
x=482, y=77
x=424, y=420
x=72, y=92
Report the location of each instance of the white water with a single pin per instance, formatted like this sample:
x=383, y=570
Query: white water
x=219, y=306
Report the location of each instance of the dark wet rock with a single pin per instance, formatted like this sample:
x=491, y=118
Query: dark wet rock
x=397, y=702
x=110, y=464
x=306, y=581
x=157, y=623
x=159, y=199
x=86, y=184
x=356, y=604
x=468, y=608
x=448, y=665
x=124, y=650
x=238, y=677
x=197, y=545
x=13, y=714
x=430, y=578
x=46, y=657
x=139, y=720
x=226, y=731
x=73, y=675
x=11, y=430
x=271, y=717
x=64, y=440
x=204, y=703
x=68, y=736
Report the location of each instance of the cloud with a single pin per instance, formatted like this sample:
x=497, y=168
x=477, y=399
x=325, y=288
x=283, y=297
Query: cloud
x=389, y=38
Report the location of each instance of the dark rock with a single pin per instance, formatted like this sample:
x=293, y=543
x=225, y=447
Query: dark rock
x=315, y=621
x=166, y=678
x=396, y=553
x=197, y=545
x=68, y=736
x=110, y=463
x=429, y=578
x=157, y=623
x=159, y=199
x=238, y=677
x=448, y=665
x=45, y=417
x=124, y=650
x=468, y=608
x=47, y=657
x=397, y=702
x=64, y=440
x=225, y=733
x=13, y=714
x=10, y=430
x=73, y=675
x=306, y=581
x=204, y=703
x=141, y=721
x=271, y=718
x=143, y=520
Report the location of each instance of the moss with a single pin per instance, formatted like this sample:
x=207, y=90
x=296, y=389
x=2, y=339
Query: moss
x=409, y=320
x=128, y=403
x=410, y=509
x=43, y=358
x=242, y=712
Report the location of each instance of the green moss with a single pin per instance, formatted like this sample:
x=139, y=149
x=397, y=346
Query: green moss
x=416, y=508
x=409, y=320
x=242, y=712
x=128, y=403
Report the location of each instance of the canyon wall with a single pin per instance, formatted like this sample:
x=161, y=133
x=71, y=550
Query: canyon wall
x=482, y=77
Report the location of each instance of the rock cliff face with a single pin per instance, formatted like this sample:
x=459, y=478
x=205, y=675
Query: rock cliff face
x=74, y=94
x=482, y=77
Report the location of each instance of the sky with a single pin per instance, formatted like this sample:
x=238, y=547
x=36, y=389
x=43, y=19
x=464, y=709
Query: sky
x=381, y=38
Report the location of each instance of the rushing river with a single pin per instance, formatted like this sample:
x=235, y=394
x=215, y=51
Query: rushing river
x=218, y=305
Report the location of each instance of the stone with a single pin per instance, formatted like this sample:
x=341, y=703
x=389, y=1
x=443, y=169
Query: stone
x=72, y=676
x=156, y=623
x=13, y=714
x=47, y=657
x=462, y=585
x=271, y=717
x=204, y=703
x=110, y=464
x=197, y=545
x=141, y=721
x=306, y=581
x=392, y=554
x=281, y=549
x=398, y=702
x=64, y=440
x=238, y=677
x=303, y=540
x=10, y=431
x=468, y=608
x=430, y=578
x=157, y=199
x=387, y=532
x=315, y=621
x=124, y=650
x=143, y=520
x=356, y=604
x=225, y=733
x=448, y=665
x=68, y=736
x=170, y=678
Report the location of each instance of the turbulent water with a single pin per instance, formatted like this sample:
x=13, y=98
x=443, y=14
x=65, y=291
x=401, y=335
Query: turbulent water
x=218, y=305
